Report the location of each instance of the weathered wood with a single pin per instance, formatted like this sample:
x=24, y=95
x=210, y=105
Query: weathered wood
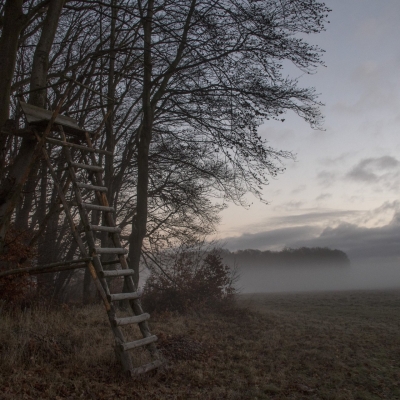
x=24, y=133
x=111, y=250
x=40, y=117
x=123, y=357
x=77, y=146
x=146, y=368
x=117, y=272
x=123, y=296
x=89, y=206
x=88, y=167
x=131, y=320
x=102, y=228
x=138, y=343
x=135, y=302
x=54, y=267
x=76, y=235
x=91, y=187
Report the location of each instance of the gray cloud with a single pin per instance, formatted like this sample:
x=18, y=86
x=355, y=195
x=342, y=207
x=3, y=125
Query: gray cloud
x=359, y=242
x=326, y=178
x=312, y=217
x=299, y=189
x=270, y=239
x=374, y=169
x=339, y=160
x=324, y=196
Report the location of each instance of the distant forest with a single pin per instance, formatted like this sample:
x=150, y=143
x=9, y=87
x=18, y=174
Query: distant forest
x=303, y=256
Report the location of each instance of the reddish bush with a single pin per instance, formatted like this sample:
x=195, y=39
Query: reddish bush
x=15, y=288
x=189, y=283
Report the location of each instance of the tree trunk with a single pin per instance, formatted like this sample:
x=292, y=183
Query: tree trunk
x=14, y=20
x=12, y=186
x=139, y=222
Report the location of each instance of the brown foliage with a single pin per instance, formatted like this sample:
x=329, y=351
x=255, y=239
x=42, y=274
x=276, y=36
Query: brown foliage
x=336, y=345
x=189, y=284
x=15, y=288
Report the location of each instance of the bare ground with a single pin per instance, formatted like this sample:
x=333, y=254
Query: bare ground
x=343, y=345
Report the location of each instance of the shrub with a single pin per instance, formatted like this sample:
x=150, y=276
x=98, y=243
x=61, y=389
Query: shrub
x=189, y=282
x=15, y=289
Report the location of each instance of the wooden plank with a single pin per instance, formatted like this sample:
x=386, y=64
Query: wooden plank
x=101, y=228
x=91, y=187
x=123, y=296
x=88, y=167
x=138, y=343
x=89, y=206
x=26, y=132
x=40, y=117
x=117, y=272
x=71, y=221
x=131, y=320
x=54, y=267
x=78, y=146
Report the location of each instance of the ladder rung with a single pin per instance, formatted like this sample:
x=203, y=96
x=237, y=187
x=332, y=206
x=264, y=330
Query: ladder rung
x=130, y=320
x=91, y=187
x=113, y=229
x=88, y=167
x=117, y=272
x=147, y=367
x=78, y=146
x=90, y=206
x=123, y=296
x=138, y=343
x=111, y=250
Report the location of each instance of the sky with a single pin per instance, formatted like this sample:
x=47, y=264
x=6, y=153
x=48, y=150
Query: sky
x=342, y=191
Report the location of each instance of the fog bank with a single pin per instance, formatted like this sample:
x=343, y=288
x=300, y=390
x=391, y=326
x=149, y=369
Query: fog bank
x=361, y=274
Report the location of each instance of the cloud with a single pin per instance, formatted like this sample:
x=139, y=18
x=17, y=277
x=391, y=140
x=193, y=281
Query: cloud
x=289, y=206
x=359, y=242
x=270, y=239
x=317, y=217
x=326, y=178
x=324, y=196
x=373, y=170
x=299, y=189
x=342, y=230
x=339, y=160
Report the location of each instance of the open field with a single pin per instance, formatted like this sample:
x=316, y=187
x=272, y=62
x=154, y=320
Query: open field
x=343, y=345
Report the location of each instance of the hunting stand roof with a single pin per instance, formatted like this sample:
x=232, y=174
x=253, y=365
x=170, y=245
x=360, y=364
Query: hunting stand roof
x=39, y=117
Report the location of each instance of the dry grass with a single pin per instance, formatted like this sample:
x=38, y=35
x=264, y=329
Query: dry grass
x=300, y=346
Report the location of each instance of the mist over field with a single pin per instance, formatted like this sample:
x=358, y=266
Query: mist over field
x=259, y=276
x=373, y=254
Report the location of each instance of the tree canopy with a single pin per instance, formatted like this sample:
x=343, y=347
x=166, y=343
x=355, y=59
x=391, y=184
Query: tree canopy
x=184, y=86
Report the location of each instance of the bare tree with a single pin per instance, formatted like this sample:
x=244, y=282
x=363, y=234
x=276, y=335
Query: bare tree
x=183, y=85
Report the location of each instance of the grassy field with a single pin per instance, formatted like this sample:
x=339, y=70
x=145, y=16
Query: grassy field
x=343, y=345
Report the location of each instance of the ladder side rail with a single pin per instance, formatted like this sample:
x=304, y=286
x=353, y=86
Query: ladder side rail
x=75, y=234
x=135, y=304
x=84, y=216
x=124, y=357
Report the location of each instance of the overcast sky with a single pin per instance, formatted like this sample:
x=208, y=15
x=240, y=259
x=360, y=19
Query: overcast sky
x=342, y=190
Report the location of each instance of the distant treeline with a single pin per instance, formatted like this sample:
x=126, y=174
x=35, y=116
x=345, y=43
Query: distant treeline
x=303, y=256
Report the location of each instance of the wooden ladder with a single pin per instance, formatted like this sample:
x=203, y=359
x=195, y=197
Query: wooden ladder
x=87, y=165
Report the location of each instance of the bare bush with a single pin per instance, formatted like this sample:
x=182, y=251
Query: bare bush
x=16, y=289
x=189, y=281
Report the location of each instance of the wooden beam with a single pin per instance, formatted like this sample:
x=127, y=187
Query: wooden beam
x=54, y=267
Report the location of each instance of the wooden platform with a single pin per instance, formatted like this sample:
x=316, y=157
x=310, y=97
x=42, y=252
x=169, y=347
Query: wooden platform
x=39, y=117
